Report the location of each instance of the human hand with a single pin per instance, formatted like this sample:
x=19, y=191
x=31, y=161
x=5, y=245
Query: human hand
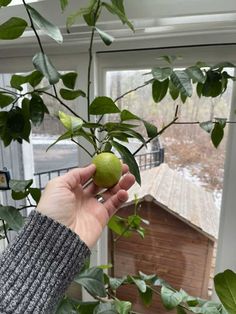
x=66, y=201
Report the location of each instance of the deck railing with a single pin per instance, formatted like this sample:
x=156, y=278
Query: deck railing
x=144, y=161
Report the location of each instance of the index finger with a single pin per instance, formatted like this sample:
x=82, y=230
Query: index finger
x=79, y=176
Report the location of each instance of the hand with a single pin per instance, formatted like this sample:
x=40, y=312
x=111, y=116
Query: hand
x=66, y=201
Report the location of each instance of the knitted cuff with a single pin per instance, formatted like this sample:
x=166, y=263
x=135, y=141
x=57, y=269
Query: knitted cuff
x=36, y=269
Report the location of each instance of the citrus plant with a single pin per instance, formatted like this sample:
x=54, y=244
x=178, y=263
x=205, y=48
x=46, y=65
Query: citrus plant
x=21, y=109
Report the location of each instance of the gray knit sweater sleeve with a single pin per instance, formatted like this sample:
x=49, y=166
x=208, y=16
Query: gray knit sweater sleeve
x=38, y=266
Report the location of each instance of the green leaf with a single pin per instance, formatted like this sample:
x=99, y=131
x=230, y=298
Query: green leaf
x=159, y=90
x=12, y=216
x=119, y=4
x=105, y=308
x=161, y=74
x=20, y=185
x=35, y=193
x=225, y=286
x=65, y=136
x=123, y=307
x=127, y=115
x=170, y=298
x=19, y=195
x=151, y=129
x=180, y=310
x=207, y=126
x=64, y=4
x=113, y=9
x=106, y=38
x=213, y=85
x=65, y=307
x=182, y=82
x=146, y=297
x=71, y=123
x=140, y=284
x=217, y=134
x=223, y=65
x=173, y=90
x=196, y=74
x=129, y=159
x=33, y=79
x=119, y=226
x=71, y=94
x=43, y=64
x=69, y=79
x=37, y=109
x=46, y=26
x=115, y=283
x=4, y=3
x=86, y=307
x=12, y=28
x=103, y=105
x=5, y=100
x=92, y=280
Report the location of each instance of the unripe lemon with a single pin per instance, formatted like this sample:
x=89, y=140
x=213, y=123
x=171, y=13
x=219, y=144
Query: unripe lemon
x=108, y=170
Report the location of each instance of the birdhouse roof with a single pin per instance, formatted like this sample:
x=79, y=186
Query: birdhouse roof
x=179, y=196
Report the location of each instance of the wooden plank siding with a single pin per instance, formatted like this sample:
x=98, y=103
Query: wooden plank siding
x=171, y=248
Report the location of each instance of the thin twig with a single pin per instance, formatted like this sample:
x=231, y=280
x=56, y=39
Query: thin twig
x=82, y=147
x=131, y=91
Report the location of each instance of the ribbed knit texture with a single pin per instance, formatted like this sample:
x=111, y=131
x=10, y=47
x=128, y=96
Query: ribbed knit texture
x=36, y=269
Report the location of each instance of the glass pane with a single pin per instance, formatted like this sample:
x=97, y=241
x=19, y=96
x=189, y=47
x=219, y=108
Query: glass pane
x=174, y=248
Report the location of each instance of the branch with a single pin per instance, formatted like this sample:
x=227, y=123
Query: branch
x=131, y=91
x=5, y=230
x=82, y=147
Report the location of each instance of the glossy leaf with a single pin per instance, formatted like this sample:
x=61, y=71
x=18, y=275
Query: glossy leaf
x=37, y=109
x=159, y=90
x=103, y=105
x=43, y=64
x=65, y=136
x=19, y=195
x=223, y=65
x=65, y=307
x=33, y=79
x=105, y=308
x=69, y=79
x=71, y=94
x=113, y=9
x=71, y=123
x=182, y=81
x=207, y=126
x=92, y=280
x=225, y=286
x=140, y=284
x=170, y=298
x=129, y=159
x=4, y=3
x=46, y=26
x=146, y=296
x=127, y=115
x=217, y=134
x=119, y=4
x=196, y=74
x=212, y=86
x=161, y=74
x=106, y=38
x=12, y=28
x=35, y=193
x=5, y=100
x=119, y=226
x=12, y=216
x=123, y=307
x=20, y=185
x=151, y=129
x=173, y=90
x=86, y=307
x=115, y=283
x=180, y=310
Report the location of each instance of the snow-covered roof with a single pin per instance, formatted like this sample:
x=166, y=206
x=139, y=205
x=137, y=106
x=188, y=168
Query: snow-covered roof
x=179, y=196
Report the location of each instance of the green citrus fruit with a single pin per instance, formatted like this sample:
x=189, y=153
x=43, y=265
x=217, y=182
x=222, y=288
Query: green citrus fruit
x=108, y=170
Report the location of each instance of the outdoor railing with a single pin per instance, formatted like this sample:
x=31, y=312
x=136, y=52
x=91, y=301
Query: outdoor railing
x=144, y=161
